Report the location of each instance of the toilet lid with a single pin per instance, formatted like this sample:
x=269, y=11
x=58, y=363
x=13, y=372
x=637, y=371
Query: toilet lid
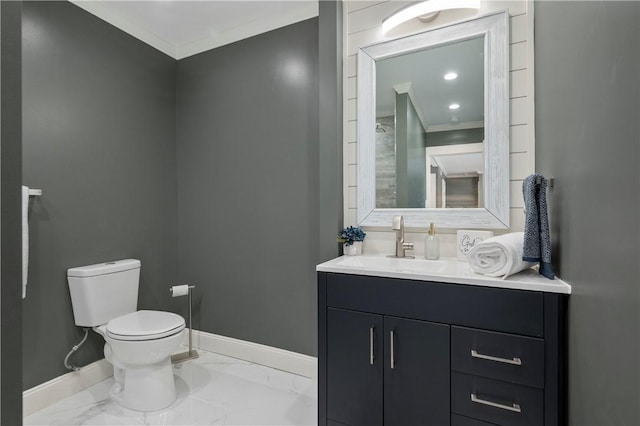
x=145, y=325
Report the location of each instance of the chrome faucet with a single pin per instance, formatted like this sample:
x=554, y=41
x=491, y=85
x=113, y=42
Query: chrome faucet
x=401, y=245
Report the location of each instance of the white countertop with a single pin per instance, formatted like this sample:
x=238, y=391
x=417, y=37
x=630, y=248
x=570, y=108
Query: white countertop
x=447, y=270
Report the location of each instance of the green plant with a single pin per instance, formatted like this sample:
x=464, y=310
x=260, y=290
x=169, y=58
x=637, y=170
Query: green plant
x=351, y=234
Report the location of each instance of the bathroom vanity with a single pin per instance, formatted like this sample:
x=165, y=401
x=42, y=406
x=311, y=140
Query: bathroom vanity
x=412, y=342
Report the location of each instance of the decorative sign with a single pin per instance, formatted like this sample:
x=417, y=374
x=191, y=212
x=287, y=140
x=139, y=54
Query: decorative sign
x=467, y=239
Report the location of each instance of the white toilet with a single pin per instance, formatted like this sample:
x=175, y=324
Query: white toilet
x=139, y=344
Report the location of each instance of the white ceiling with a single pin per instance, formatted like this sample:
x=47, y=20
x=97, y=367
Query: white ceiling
x=182, y=28
x=465, y=164
x=425, y=70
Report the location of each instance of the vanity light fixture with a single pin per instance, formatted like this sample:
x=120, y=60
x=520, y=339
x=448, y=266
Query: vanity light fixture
x=425, y=8
x=450, y=76
x=454, y=106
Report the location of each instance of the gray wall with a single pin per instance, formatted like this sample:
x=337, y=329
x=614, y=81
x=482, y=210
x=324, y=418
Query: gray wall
x=588, y=138
x=416, y=158
x=410, y=155
x=248, y=186
x=455, y=137
x=10, y=259
x=99, y=139
x=329, y=126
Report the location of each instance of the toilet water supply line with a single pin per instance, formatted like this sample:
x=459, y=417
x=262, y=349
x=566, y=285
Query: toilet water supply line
x=75, y=348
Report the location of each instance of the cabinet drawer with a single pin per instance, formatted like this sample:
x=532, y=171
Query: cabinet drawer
x=457, y=420
x=515, y=359
x=496, y=402
x=506, y=310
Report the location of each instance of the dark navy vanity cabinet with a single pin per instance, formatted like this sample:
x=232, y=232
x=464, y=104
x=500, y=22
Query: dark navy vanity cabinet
x=398, y=352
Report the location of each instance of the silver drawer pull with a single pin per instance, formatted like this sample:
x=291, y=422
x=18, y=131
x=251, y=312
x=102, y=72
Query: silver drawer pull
x=371, y=355
x=393, y=352
x=513, y=361
x=513, y=407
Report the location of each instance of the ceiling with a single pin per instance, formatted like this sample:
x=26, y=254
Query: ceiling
x=457, y=165
x=181, y=28
x=424, y=70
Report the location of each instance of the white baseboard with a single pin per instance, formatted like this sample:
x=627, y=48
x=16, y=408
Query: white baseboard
x=292, y=362
x=61, y=387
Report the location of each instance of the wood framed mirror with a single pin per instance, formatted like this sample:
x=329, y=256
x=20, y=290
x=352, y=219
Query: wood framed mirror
x=406, y=95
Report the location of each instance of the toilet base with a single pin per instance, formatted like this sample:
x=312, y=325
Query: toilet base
x=146, y=388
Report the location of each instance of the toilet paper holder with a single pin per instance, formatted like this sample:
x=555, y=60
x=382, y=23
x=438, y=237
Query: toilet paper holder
x=176, y=291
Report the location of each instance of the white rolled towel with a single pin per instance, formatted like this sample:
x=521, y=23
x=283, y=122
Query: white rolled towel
x=499, y=256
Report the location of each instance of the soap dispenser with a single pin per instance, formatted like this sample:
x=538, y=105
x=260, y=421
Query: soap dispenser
x=431, y=244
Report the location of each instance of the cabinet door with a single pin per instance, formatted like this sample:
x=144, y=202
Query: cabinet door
x=416, y=373
x=354, y=367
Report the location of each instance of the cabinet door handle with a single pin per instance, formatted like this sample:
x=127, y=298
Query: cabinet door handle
x=371, y=357
x=391, y=340
x=513, y=407
x=513, y=361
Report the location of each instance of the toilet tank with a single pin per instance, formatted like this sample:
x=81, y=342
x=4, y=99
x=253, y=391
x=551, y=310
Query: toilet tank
x=103, y=291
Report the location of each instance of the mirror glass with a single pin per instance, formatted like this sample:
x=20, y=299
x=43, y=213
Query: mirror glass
x=428, y=98
x=433, y=127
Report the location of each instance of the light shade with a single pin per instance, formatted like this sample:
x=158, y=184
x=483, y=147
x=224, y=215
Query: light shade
x=424, y=8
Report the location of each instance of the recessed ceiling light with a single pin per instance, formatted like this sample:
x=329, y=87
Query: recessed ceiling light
x=454, y=106
x=450, y=76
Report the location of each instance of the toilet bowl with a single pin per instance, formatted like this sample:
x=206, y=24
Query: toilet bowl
x=138, y=344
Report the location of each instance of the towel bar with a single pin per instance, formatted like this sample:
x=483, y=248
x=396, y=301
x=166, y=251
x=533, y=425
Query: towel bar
x=35, y=192
x=549, y=182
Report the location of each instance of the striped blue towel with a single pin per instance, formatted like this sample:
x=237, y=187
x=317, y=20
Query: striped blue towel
x=537, y=242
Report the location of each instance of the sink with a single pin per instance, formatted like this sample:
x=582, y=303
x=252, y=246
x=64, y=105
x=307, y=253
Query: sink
x=391, y=264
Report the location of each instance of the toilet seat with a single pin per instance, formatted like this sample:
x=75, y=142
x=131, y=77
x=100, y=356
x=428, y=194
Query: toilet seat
x=145, y=325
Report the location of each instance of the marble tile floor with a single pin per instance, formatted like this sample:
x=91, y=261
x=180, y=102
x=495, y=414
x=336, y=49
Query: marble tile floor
x=212, y=390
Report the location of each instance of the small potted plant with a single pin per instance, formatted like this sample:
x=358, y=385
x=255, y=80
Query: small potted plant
x=352, y=238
